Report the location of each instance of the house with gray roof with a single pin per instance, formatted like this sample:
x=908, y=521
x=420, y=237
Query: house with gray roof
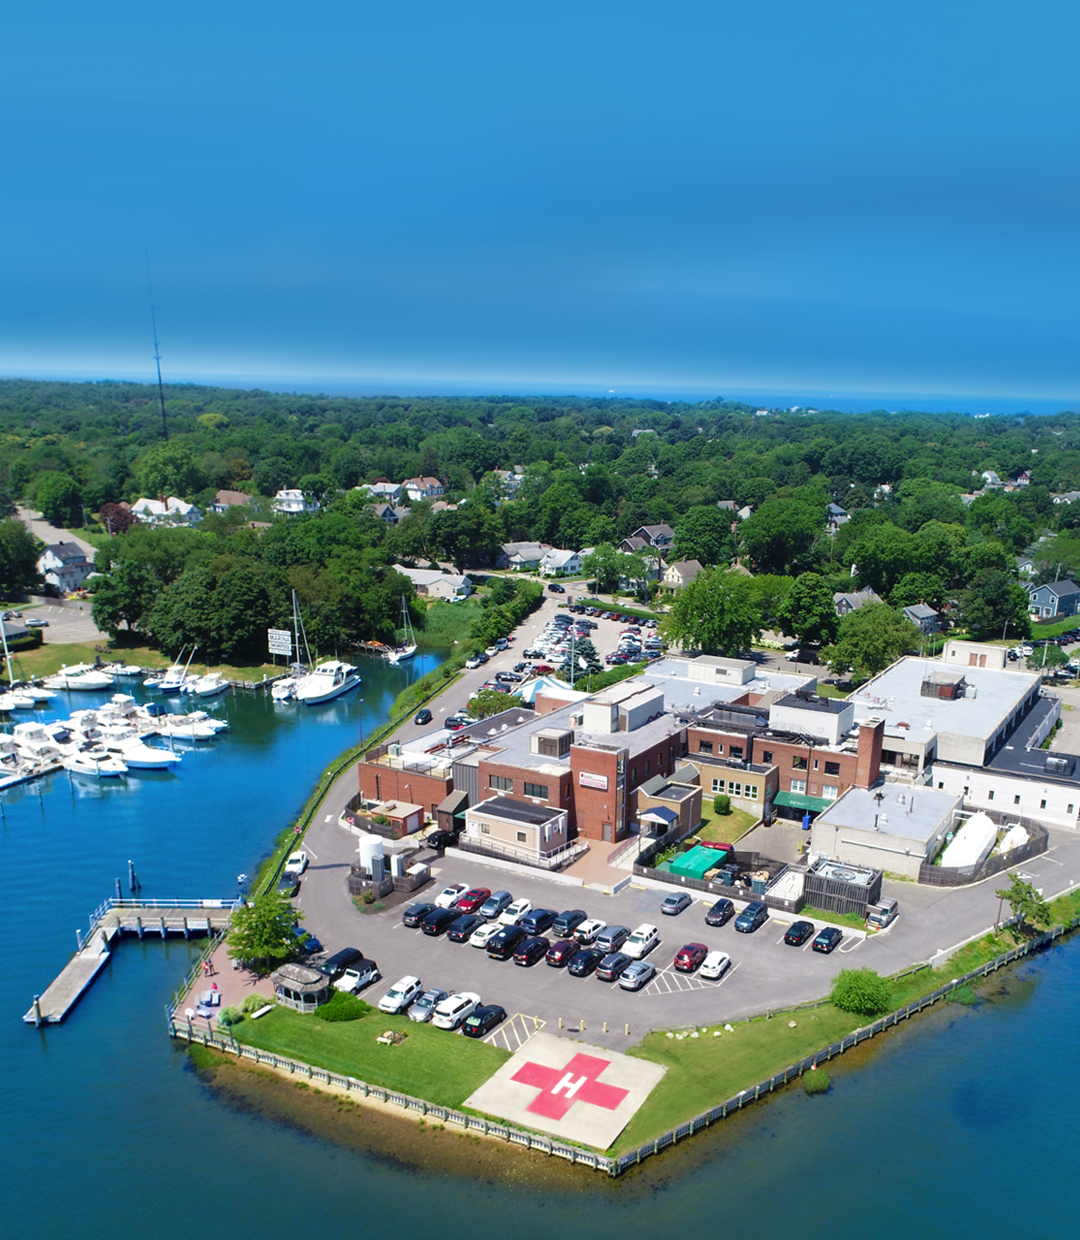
x=1056, y=598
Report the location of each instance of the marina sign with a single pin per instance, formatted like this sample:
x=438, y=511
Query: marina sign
x=279, y=641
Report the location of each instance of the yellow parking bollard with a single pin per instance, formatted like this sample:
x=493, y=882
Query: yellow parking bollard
x=560, y=1022
x=605, y=1026
x=582, y=1030
x=627, y=1030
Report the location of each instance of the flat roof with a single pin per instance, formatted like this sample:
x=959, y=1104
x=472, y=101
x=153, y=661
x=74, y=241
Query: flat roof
x=917, y=817
x=1020, y=757
x=826, y=706
x=516, y=811
x=895, y=696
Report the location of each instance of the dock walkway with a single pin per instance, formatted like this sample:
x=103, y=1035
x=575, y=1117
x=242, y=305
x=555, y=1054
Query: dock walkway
x=108, y=923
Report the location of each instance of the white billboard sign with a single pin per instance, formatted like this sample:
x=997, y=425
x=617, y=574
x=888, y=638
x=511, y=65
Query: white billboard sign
x=279, y=641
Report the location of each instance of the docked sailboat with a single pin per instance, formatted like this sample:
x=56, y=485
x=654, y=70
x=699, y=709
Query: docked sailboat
x=329, y=680
x=401, y=654
x=82, y=676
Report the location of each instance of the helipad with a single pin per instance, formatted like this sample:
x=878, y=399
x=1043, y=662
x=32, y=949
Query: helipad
x=571, y=1090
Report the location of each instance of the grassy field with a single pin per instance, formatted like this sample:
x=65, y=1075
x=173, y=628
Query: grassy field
x=448, y=623
x=48, y=659
x=724, y=828
x=433, y=1064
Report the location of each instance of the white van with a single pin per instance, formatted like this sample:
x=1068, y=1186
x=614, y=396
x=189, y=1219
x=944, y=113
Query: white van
x=641, y=941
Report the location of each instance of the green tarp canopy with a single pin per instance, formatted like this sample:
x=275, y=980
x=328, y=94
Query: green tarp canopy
x=799, y=800
x=694, y=863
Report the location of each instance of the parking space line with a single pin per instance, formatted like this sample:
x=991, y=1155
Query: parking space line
x=515, y=1031
x=853, y=944
x=312, y=853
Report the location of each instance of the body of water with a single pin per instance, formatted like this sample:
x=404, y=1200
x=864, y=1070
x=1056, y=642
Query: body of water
x=961, y=1123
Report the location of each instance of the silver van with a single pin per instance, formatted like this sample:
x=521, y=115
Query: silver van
x=611, y=938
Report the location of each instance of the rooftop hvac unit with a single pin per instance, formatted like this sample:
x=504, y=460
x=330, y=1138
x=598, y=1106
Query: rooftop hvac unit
x=394, y=750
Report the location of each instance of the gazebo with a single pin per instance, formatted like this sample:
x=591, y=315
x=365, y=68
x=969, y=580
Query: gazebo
x=299, y=987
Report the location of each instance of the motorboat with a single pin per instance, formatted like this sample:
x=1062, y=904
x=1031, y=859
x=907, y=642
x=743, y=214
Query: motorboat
x=81, y=676
x=125, y=669
x=96, y=763
x=6, y=703
x=198, y=726
x=208, y=686
x=284, y=690
x=19, y=699
x=176, y=678
x=404, y=652
x=329, y=680
x=15, y=766
x=40, y=696
x=133, y=751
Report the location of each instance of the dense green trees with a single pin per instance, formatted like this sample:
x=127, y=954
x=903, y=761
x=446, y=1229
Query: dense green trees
x=779, y=537
x=869, y=640
x=59, y=499
x=995, y=605
x=715, y=614
x=808, y=611
x=704, y=534
x=18, y=558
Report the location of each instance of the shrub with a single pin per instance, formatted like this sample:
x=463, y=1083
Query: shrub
x=861, y=991
x=229, y=1016
x=817, y=1081
x=721, y=804
x=253, y=1002
x=341, y=1006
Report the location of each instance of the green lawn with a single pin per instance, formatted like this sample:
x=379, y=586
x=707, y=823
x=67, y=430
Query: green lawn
x=48, y=659
x=433, y=1064
x=724, y=828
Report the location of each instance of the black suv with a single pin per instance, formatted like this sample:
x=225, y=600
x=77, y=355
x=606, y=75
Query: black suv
x=502, y=946
x=333, y=966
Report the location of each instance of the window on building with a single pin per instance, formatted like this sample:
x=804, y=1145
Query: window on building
x=719, y=747
x=1069, y=808
x=646, y=766
x=750, y=792
x=832, y=791
x=799, y=764
x=485, y=829
x=734, y=789
x=832, y=768
x=941, y=783
x=798, y=785
x=816, y=764
x=990, y=795
x=735, y=751
x=1042, y=805
x=718, y=785
x=633, y=774
x=766, y=755
x=704, y=746
x=522, y=838
x=1016, y=800
x=500, y=783
x=536, y=790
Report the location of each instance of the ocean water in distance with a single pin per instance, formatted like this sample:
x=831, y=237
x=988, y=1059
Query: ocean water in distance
x=960, y=1124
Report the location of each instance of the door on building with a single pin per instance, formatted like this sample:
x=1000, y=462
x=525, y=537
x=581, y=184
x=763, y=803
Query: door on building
x=609, y=835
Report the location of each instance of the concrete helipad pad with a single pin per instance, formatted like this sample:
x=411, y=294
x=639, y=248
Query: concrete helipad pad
x=582, y=1093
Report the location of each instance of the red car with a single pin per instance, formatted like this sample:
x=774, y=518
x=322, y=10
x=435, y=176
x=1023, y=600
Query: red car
x=470, y=902
x=561, y=953
x=542, y=669
x=689, y=957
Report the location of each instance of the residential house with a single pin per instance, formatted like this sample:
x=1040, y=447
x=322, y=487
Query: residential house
x=924, y=617
x=681, y=574
x=522, y=555
x=440, y=505
x=991, y=481
x=1056, y=598
x=835, y=516
x=65, y=566
x=1022, y=479
x=418, y=489
x=557, y=563
x=659, y=536
x=224, y=500
x=1025, y=566
x=290, y=502
x=634, y=543
x=511, y=481
x=1067, y=497
x=385, y=492
x=434, y=583
x=847, y=603
x=166, y=511
x=390, y=513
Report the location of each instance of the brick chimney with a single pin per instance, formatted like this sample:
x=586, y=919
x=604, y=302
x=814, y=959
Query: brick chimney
x=868, y=762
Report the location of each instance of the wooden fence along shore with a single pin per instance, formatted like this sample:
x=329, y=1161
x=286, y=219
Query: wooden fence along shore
x=185, y=1030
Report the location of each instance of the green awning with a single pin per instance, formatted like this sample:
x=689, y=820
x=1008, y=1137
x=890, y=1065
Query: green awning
x=800, y=800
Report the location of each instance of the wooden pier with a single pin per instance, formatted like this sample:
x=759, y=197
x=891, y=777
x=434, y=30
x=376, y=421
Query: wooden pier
x=108, y=923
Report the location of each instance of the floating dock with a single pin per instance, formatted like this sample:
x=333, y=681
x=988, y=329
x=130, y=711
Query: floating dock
x=108, y=923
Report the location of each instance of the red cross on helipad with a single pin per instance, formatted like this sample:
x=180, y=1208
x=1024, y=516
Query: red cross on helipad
x=562, y=1087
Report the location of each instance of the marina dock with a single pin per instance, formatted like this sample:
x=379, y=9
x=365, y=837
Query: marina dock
x=108, y=923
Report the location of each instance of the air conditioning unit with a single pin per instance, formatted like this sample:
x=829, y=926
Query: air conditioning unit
x=394, y=750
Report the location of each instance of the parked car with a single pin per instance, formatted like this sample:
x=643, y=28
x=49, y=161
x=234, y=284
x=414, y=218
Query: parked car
x=423, y=1008
x=333, y=966
x=461, y=931
x=473, y=899
x=439, y=920
x=449, y=896
x=827, y=940
x=483, y=1020
x=538, y=920
x=415, y=914
x=715, y=965
x=359, y=974
x=440, y=840
x=423, y=716
x=513, y=913
x=491, y=651
x=455, y=1009
x=611, y=938
x=508, y=677
x=754, y=915
x=588, y=930
x=288, y=884
x=306, y=943
x=688, y=958
x=501, y=946
x=530, y=950
x=585, y=962
x=35, y=622
x=297, y=861
x=798, y=933
x=675, y=903
x=611, y=968
x=560, y=953
x=555, y=588
x=495, y=903
x=472, y=663
x=720, y=913
x=567, y=922
x=401, y=994
x=641, y=941
x=483, y=935
x=637, y=973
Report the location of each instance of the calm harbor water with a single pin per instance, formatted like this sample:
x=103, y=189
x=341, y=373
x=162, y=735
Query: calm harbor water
x=962, y=1122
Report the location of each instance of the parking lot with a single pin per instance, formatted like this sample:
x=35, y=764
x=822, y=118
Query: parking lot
x=539, y=997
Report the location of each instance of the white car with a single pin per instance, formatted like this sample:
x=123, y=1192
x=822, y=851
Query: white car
x=641, y=941
x=401, y=994
x=449, y=896
x=715, y=965
x=357, y=976
x=588, y=930
x=297, y=861
x=482, y=936
x=452, y=1012
x=513, y=913
x=492, y=651
x=472, y=663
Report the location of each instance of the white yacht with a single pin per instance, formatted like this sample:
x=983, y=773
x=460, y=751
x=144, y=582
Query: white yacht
x=125, y=669
x=133, y=751
x=208, y=686
x=284, y=690
x=97, y=763
x=329, y=680
x=81, y=676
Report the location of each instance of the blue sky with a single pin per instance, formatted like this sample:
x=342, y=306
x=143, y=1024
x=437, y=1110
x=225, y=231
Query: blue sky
x=717, y=197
